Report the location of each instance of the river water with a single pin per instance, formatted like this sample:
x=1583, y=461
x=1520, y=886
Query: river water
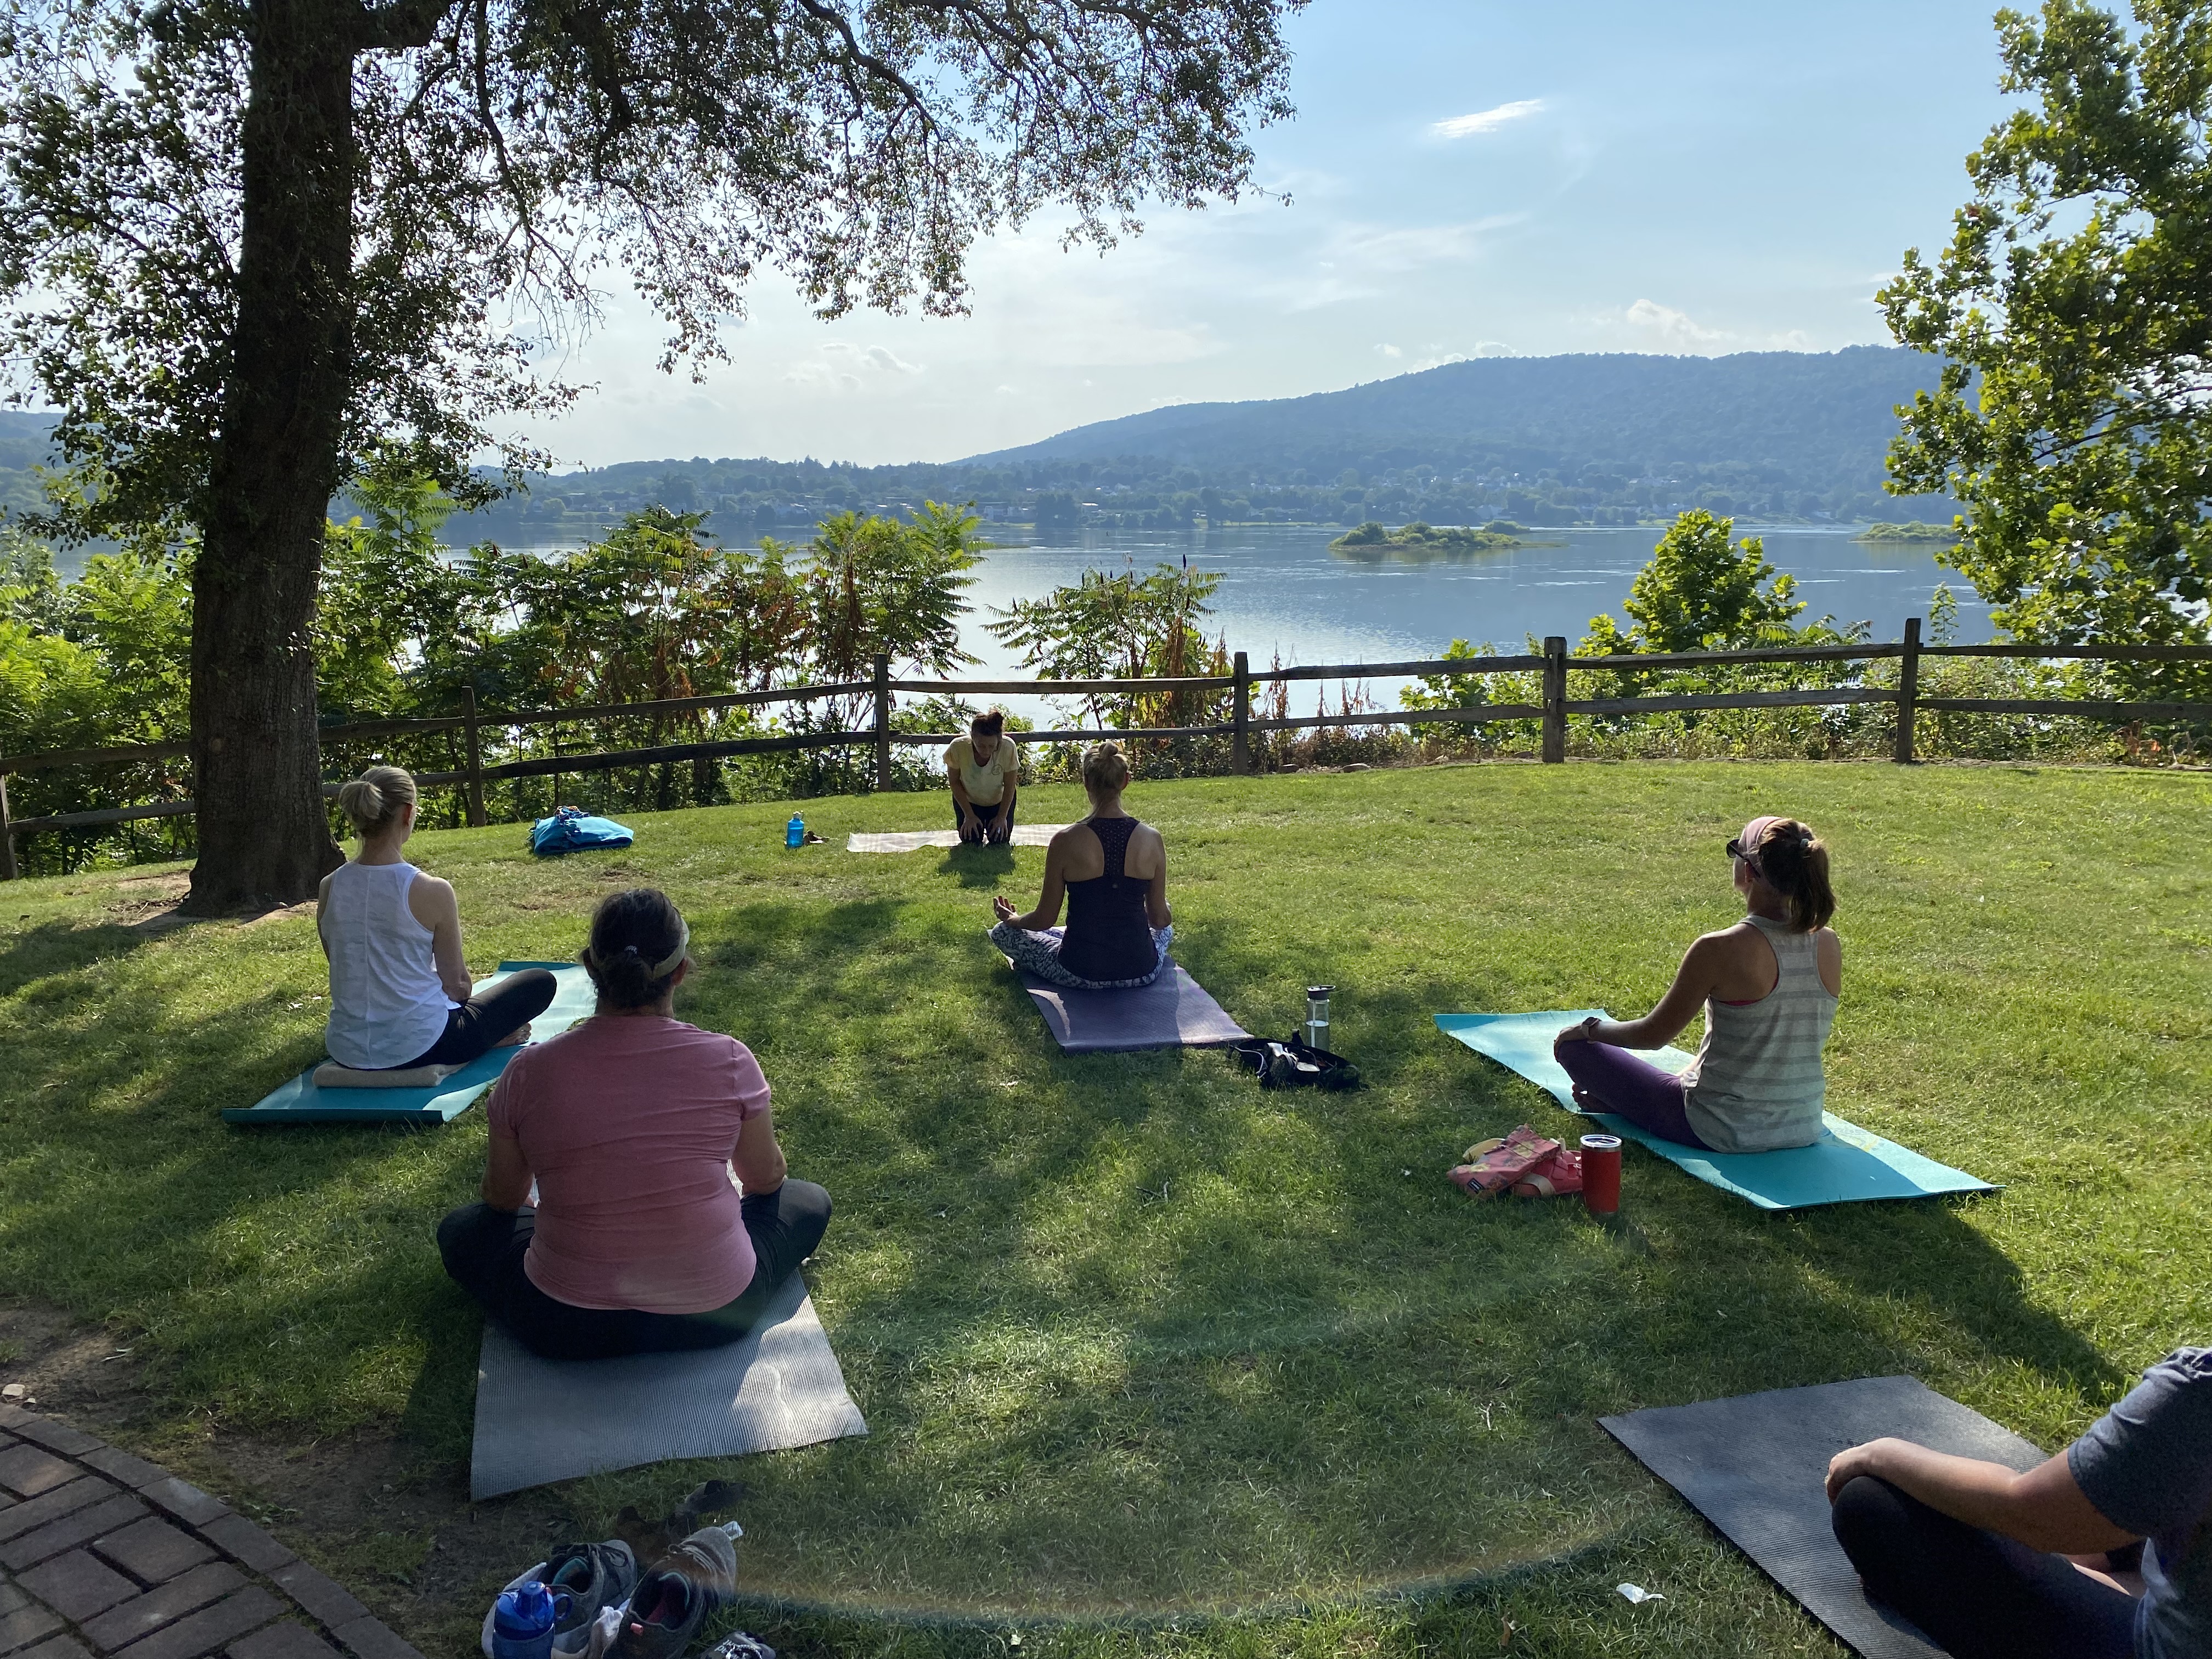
x=1283, y=591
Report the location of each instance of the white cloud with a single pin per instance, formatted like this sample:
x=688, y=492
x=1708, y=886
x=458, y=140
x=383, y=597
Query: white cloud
x=1487, y=120
x=823, y=376
x=1678, y=331
x=876, y=357
x=844, y=365
x=1674, y=327
x=1388, y=351
x=1367, y=247
x=1355, y=261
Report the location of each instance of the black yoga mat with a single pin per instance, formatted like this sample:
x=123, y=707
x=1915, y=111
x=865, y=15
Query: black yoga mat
x=1756, y=1467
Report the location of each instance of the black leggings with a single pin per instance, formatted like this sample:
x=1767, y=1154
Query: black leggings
x=1976, y=1594
x=475, y=1027
x=484, y=1249
x=986, y=814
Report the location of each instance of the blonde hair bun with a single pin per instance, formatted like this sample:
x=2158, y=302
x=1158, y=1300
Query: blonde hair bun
x=373, y=799
x=1105, y=767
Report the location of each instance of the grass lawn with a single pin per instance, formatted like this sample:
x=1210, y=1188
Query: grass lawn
x=1156, y=1362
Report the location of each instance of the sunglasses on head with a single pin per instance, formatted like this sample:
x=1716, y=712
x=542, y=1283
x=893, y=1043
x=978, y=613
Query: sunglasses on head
x=1736, y=850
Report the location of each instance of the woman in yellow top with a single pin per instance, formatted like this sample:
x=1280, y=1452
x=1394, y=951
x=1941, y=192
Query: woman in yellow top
x=985, y=766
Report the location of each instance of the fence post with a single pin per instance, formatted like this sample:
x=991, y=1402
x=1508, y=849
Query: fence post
x=1241, y=754
x=476, y=819
x=7, y=836
x=883, y=721
x=1908, y=691
x=1555, y=699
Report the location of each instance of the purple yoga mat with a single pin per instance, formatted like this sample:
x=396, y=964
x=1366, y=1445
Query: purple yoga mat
x=1173, y=1011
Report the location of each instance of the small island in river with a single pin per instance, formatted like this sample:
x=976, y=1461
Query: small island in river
x=1907, y=532
x=1418, y=535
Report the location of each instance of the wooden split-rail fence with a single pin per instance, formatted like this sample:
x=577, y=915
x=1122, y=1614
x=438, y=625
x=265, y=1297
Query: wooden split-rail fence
x=1552, y=709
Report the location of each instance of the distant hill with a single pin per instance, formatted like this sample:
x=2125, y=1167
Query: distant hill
x=1799, y=423
x=1773, y=437
x=25, y=442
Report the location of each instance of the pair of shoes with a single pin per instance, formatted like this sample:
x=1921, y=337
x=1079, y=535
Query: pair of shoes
x=678, y=1593
x=1285, y=1070
x=1293, y=1065
x=596, y=1578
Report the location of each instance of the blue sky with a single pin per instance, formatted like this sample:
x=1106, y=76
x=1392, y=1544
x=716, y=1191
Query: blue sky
x=1708, y=176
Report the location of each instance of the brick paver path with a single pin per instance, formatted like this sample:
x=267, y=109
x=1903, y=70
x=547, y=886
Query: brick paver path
x=103, y=1554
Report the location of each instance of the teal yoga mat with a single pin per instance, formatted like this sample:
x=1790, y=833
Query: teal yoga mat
x=299, y=1101
x=1845, y=1166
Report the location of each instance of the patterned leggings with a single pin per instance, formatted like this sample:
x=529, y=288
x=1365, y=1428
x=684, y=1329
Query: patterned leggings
x=1039, y=954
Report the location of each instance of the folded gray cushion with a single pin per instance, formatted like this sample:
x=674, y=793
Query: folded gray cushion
x=332, y=1075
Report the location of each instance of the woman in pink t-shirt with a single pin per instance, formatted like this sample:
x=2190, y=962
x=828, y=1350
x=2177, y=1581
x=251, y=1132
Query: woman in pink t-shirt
x=638, y=1131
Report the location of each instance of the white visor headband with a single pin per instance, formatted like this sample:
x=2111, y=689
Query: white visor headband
x=673, y=960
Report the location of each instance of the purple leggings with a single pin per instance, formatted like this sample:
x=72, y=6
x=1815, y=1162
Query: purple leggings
x=1617, y=1081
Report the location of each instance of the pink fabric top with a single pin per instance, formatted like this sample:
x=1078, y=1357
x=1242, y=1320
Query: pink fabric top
x=628, y=1121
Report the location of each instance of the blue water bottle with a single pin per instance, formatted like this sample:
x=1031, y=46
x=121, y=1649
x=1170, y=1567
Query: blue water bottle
x=523, y=1620
x=794, y=833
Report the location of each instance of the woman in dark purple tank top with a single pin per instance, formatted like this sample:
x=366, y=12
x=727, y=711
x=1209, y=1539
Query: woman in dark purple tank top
x=1119, y=925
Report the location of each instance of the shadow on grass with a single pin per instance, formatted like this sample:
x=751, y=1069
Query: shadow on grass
x=979, y=867
x=54, y=948
x=1129, y=1331
x=1848, y=1260
x=272, y=1269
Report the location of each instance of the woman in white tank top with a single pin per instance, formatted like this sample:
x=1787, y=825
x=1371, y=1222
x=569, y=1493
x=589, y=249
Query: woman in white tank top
x=399, y=986
x=1769, y=986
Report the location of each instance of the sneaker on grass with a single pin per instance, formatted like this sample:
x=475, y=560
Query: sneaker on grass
x=595, y=1577
x=678, y=1593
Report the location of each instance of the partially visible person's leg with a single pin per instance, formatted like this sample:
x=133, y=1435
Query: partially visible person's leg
x=1619, y=1082
x=1975, y=1595
x=560, y=1330
x=785, y=1226
x=1001, y=833
x=968, y=821
x=475, y=1242
x=1036, y=954
x=484, y=1248
x=478, y=1024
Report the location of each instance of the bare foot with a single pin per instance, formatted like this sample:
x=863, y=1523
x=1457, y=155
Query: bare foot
x=514, y=1039
x=1585, y=1103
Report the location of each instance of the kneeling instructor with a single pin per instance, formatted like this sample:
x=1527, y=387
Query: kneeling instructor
x=984, y=767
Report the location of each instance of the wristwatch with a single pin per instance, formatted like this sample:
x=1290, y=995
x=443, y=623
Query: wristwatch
x=1590, y=1022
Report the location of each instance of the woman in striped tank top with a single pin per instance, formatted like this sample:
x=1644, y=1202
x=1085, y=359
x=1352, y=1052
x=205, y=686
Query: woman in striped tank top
x=1769, y=986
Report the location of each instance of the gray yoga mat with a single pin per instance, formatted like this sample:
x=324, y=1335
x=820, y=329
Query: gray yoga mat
x=1756, y=1467
x=1173, y=1011
x=543, y=1420
x=913, y=841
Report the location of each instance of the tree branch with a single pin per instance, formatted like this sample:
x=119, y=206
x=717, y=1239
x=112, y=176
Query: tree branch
x=401, y=25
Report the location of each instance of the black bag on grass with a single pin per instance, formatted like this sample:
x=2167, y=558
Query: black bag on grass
x=1292, y=1065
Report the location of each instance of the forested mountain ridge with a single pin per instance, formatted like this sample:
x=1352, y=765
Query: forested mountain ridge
x=1769, y=436
x=1599, y=430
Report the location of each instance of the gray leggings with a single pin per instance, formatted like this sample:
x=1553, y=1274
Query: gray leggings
x=1038, y=954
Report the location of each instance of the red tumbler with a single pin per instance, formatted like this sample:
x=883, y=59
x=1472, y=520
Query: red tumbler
x=1601, y=1174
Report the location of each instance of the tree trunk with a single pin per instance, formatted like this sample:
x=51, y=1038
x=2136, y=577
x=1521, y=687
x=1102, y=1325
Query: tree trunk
x=262, y=833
